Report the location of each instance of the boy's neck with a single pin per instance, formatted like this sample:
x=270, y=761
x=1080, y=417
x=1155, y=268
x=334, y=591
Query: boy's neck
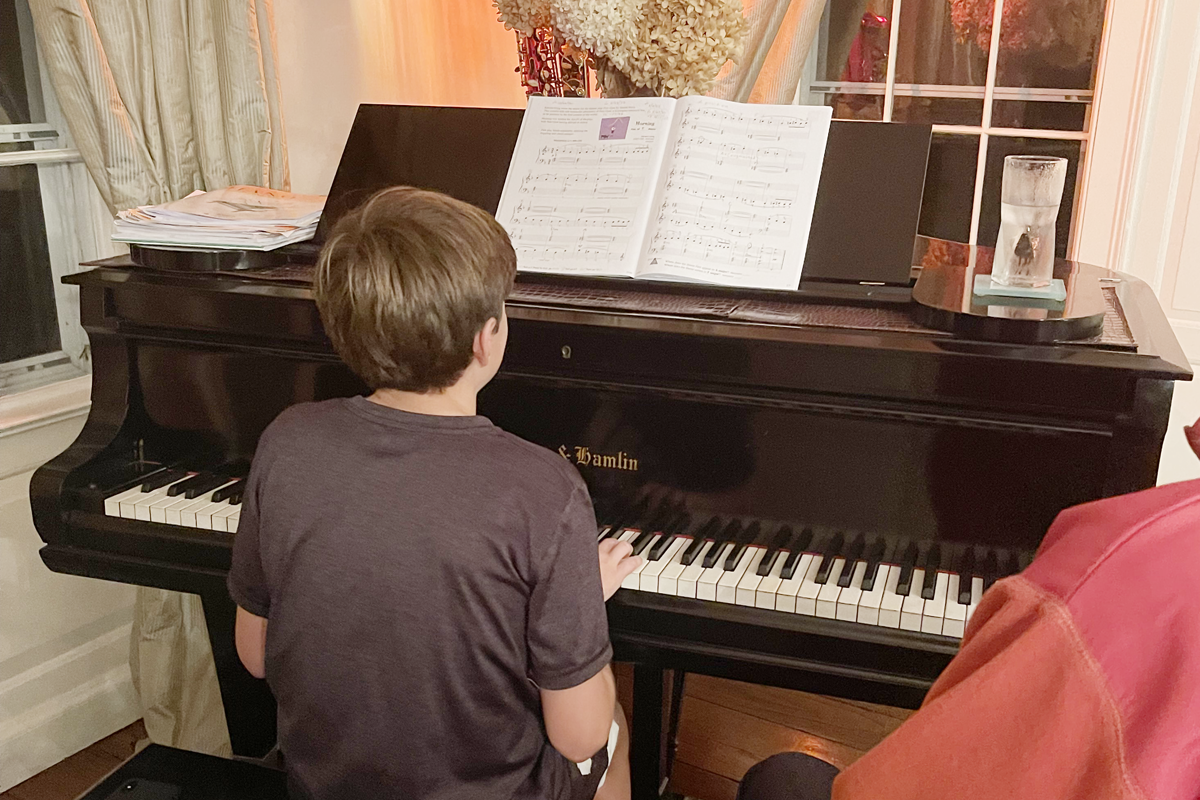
x=453, y=401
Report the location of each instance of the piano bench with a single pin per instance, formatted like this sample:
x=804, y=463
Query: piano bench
x=165, y=773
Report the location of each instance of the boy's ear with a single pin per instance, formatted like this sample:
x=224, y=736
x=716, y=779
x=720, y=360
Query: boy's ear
x=1193, y=437
x=485, y=342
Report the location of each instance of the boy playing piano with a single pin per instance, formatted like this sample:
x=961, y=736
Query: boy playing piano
x=435, y=601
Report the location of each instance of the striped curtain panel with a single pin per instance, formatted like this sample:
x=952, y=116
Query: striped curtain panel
x=163, y=97
x=777, y=44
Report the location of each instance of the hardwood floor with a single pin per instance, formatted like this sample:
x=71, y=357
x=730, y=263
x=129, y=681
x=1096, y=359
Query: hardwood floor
x=71, y=777
x=725, y=727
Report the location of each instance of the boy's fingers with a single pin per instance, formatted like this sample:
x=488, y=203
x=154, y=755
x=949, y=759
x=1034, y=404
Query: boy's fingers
x=612, y=549
x=628, y=565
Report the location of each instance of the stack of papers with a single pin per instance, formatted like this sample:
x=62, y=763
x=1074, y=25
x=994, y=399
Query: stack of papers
x=233, y=218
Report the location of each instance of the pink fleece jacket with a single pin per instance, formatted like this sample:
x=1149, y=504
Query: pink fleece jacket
x=1078, y=679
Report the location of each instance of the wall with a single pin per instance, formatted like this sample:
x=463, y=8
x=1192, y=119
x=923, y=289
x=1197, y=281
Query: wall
x=333, y=56
x=1142, y=213
x=64, y=640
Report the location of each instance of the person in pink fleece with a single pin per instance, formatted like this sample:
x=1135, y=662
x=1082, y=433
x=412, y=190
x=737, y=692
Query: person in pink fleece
x=1078, y=679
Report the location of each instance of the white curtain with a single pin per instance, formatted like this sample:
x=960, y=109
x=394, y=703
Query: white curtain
x=163, y=98
x=777, y=45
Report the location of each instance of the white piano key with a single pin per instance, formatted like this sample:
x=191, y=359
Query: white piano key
x=847, y=602
x=204, y=513
x=747, y=587
x=828, y=596
x=220, y=520
x=649, y=577
x=892, y=603
x=806, y=597
x=706, y=584
x=141, y=506
x=187, y=514
x=668, y=581
x=764, y=594
x=956, y=612
x=976, y=596
x=727, y=585
x=914, y=604
x=691, y=574
x=868, y=604
x=785, y=598
x=158, y=510
x=634, y=579
x=935, y=608
x=112, y=505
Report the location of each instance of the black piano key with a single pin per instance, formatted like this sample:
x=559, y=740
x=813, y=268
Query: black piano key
x=235, y=499
x=933, y=560
x=226, y=492
x=873, y=556
x=204, y=483
x=908, y=562
x=832, y=551
x=744, y=539
x=778, y=542
x=719, y=541
x=642, y=540
x=789, y=564
x=853, y=555
x=1009, y=564
x=692, y=550
x=1024, y=559
x=195, y=480
x=798, y=547
x=966, y=573
x=670, y=532
x=989, y=570
x=161, y=479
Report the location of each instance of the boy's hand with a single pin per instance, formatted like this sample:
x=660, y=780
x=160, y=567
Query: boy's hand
x=616, y=562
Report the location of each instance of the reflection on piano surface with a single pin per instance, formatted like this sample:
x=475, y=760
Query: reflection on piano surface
x=821, y=505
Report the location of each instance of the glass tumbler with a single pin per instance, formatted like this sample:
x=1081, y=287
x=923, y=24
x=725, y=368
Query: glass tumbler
x=1030, y=194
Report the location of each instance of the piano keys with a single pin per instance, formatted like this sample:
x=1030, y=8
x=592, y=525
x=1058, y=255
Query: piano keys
x=831, y=571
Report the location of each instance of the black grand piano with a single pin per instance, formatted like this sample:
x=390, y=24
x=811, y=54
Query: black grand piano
x=822, y=487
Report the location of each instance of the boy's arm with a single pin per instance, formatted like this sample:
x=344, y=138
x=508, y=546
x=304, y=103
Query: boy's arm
x=250, y=636
x=578, y=719
x=567, y=630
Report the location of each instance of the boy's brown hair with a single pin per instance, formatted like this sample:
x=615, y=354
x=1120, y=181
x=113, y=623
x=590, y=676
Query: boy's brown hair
x=406, y=281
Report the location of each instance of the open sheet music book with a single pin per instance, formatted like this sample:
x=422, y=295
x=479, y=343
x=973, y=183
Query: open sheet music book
x=692, y=189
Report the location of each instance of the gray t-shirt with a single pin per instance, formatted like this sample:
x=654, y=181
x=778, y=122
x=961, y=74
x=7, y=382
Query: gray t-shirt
x=423, y=576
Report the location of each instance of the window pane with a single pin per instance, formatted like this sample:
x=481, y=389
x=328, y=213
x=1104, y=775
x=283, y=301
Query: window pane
x=937, y=110
x=949, y=187
x=853, y=57
x=1046, y=43
x=1037, y=114
x=20, y=99
x=28, y=317
x=998, y=148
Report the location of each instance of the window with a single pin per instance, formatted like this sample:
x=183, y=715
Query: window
x=51, y=218
x=1022, y=86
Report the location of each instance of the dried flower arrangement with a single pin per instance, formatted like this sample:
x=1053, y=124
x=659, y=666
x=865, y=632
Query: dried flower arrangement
x=661, y=47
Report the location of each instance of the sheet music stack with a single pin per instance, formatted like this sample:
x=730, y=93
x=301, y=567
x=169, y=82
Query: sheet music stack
x=233, y=218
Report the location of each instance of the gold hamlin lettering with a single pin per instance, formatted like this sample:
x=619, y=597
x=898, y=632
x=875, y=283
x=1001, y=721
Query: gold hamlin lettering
x=584, y=457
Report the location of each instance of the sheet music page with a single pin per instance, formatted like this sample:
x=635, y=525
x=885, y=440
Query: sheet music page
x=735, y=199
x=581, y=181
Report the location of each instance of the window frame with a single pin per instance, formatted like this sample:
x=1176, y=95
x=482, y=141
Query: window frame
x=78, y=224
x=809, y=89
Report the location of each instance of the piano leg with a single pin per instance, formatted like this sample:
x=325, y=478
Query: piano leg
x=645, y=747
x=249, y=705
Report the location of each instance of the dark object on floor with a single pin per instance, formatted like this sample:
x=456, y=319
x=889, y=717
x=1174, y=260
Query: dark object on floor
x=164, y=773
x=788, y=776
